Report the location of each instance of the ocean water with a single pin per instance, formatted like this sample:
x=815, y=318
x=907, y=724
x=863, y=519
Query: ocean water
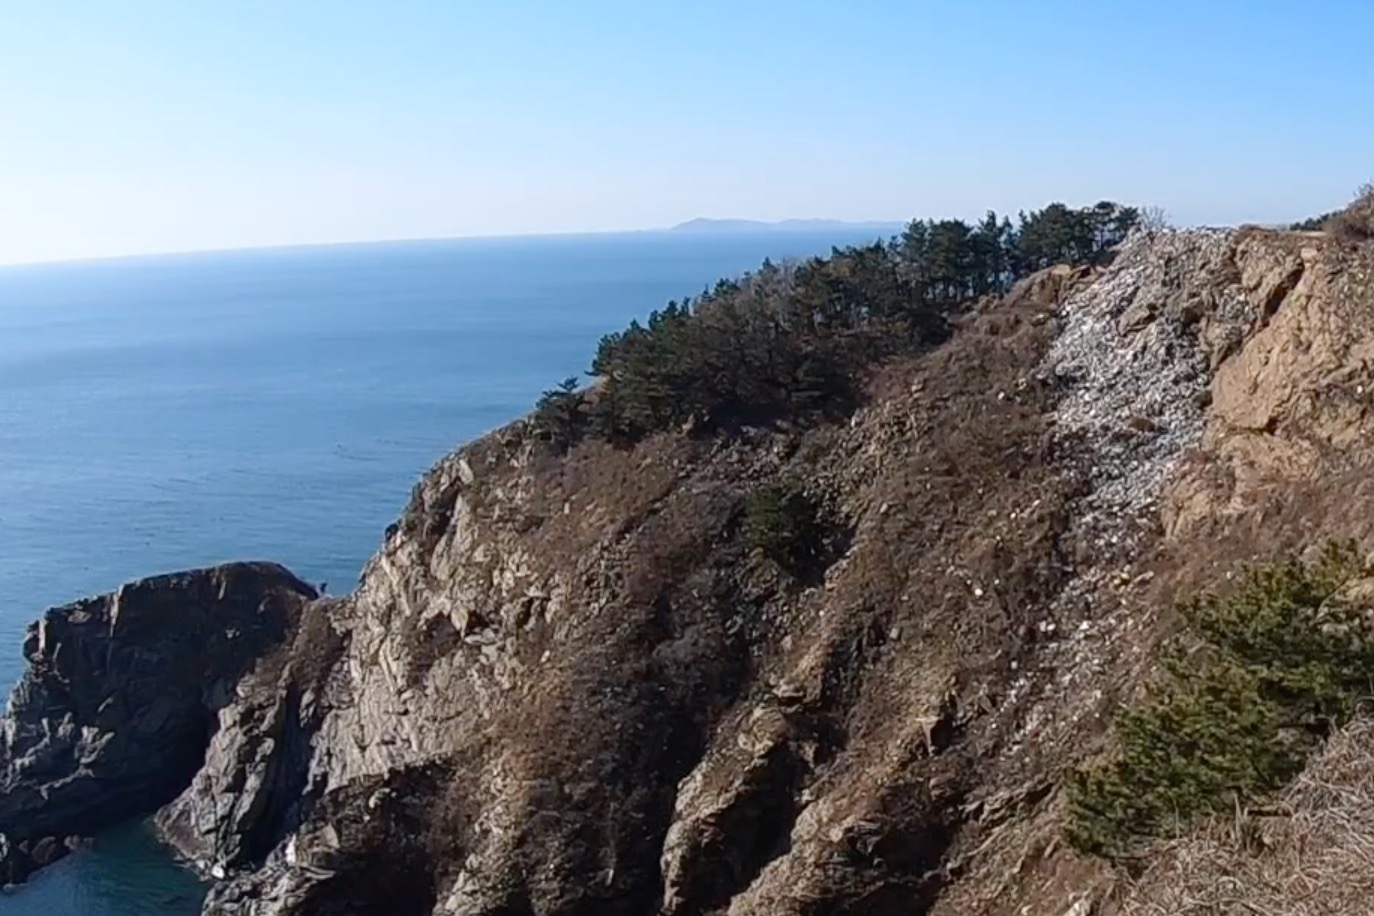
x=171, y=412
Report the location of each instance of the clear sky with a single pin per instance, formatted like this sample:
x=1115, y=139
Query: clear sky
x=157, y=125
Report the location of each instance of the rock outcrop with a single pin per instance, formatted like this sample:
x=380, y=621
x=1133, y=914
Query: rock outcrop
x=115, y=710
x=565, y=685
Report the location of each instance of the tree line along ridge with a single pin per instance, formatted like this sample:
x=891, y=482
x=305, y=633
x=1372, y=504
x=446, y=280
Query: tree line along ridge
x=788, y=341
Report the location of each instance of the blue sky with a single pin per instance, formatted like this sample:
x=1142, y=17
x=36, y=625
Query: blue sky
x=138, y=126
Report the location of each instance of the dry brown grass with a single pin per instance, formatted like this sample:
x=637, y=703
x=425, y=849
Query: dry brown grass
x=1356, y=221
x=1310, y=854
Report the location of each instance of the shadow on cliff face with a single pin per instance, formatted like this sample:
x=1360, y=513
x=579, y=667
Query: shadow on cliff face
x=255, y=786
x=381, y=861
x=655, y=677
x=116, y=709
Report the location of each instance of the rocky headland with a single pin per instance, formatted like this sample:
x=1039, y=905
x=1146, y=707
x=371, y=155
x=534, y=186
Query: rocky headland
x=568, y=683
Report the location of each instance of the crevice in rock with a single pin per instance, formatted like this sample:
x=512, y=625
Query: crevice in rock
x=1279, y=291
x=286, y=774
x=253, y=789
x=370, y=844
x=899, y=867
x=744, y=837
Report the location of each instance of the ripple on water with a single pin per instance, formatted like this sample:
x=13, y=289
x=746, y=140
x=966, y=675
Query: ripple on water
x=125, y=873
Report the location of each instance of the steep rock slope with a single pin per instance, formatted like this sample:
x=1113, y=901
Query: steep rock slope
x=566, y=685
x=569, y=688
x=113, y=715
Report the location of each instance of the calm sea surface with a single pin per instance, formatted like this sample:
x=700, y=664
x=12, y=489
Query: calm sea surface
x=164, y=413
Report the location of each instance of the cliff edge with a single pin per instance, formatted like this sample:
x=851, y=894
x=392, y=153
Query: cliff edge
x=575, y=684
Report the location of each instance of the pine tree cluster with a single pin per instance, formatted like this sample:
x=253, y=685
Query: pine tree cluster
x=791, y=341
x=1254, y=683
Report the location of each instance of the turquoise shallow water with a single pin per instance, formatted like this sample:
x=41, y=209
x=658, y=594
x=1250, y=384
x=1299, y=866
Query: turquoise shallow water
x=163, y=413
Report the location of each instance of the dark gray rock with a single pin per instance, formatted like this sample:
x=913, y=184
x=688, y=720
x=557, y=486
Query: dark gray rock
x=120, y=699
x=255, y=781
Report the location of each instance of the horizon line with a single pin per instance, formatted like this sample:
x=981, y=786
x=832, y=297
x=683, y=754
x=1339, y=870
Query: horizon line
x=403, y=240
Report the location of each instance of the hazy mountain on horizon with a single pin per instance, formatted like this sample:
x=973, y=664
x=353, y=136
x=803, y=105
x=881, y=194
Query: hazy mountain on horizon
x=706, y=224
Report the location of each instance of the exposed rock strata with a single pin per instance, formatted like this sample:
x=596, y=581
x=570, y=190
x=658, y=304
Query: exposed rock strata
x=114, y=712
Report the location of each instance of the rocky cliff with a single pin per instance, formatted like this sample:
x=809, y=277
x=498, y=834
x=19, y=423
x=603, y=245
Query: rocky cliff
x=566, y=684
x=114, y=712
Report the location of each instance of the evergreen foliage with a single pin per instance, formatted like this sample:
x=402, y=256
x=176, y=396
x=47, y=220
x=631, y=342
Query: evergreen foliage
x=1255, y=682
x=558, y=415
x=784, y=524
x=1313, y=223
x=791, y=341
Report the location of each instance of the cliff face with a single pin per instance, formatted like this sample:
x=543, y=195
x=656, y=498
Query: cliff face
x=113, y=715
x=566, y=685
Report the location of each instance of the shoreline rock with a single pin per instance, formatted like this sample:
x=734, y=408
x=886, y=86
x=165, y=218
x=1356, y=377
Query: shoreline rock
x=115, y=709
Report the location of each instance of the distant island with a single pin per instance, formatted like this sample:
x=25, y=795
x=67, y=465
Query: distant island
x=703, y=224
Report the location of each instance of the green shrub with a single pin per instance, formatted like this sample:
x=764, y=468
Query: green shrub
x=785, y=525
x=1253, y=684
x=559, y=416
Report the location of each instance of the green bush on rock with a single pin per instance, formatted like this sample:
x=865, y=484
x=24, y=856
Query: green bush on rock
x=1255, y=681
x=558, y=416
x=784, y=525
